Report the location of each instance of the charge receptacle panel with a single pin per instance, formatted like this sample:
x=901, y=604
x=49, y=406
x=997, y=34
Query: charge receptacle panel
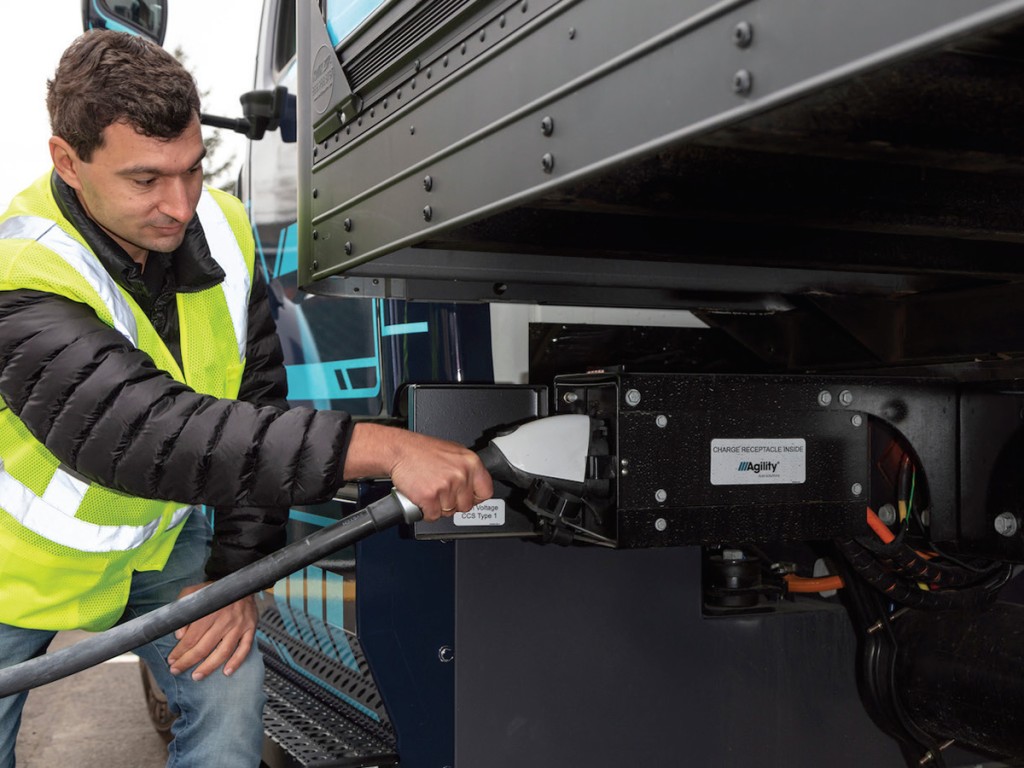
x=722, y=458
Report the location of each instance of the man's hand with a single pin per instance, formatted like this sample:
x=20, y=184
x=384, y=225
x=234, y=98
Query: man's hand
x=438, y=476
x=223, y=637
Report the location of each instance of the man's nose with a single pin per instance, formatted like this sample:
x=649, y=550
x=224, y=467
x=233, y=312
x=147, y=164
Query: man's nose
x=177, y=201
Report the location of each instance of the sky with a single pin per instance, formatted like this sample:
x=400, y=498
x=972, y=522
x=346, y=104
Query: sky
x=218, y=37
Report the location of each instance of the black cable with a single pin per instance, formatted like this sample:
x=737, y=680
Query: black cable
x=381, y=514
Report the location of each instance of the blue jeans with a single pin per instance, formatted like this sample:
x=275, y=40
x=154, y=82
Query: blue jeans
x=220, y=720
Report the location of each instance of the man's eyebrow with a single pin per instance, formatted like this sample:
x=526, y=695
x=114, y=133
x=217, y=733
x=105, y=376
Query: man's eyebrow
x=148, y=170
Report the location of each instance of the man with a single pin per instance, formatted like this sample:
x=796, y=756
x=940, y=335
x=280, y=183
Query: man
x=140, y=375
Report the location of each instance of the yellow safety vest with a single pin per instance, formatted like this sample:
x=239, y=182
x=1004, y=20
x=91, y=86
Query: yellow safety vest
x=68, y=546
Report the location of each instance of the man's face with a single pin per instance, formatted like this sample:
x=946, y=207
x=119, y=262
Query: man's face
x=141, y=190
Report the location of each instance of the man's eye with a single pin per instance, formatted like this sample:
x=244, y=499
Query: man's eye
x=144, y=182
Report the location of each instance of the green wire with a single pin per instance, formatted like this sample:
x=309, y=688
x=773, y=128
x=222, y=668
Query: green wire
x=910, y=501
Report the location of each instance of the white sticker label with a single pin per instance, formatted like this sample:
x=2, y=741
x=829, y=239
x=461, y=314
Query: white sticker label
x=758, y=461
x=490, y=512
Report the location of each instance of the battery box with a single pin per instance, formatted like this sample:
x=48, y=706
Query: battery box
x=726, y=458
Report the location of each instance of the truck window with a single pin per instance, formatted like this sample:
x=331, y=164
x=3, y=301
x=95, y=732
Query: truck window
x=284, y=36
x=343, y=16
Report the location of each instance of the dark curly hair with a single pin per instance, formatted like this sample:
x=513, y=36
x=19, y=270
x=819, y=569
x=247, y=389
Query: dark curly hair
x=106, y=77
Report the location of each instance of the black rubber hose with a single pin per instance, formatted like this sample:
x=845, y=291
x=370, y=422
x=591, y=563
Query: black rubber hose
x=263, y=573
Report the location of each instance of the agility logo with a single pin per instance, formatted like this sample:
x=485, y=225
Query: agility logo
x=758, y=461
x=758, y=466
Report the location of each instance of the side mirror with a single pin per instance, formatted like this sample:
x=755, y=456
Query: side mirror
x=263, y=111
x=141, y=17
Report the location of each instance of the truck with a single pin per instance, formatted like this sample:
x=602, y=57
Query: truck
x=768, y=249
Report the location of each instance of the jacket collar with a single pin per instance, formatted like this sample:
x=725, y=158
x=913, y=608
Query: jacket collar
x=194, y=268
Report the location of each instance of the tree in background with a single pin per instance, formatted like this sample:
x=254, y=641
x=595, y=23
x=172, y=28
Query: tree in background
x=216, y=172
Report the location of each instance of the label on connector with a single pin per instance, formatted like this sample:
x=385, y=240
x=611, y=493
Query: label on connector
x=490, y=512
x=756, y=461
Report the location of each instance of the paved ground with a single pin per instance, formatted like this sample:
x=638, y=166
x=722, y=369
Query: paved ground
x=95, y=718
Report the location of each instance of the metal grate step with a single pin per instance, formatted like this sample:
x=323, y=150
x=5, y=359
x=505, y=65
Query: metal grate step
x=320, y=711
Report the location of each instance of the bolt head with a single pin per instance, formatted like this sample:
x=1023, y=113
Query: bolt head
x=661, y=421
x=743, y=34
x=547, y=162
x=846, y=397
x=856, y=489
x=633, y=397
x=887, y=514
x=660, y=495
x=660, y=524
x=824, y=397
x=742, y=82
x=428, y=213
x=1006, y=524
x=856, y=419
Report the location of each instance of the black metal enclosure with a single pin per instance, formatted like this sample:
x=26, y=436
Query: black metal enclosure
x=847, y=176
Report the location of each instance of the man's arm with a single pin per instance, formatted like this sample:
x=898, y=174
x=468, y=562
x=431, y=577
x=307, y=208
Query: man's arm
x=104, y=409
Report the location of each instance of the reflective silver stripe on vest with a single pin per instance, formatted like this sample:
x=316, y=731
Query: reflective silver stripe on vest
x=227, y=253
x=82, y=260
x=46, y=516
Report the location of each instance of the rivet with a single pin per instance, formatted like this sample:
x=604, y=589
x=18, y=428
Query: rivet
x=547, y=125
x=547, y=162
x=462, y=49
x=524, y=7
x=412, y=130
x=856, y=489
x=316, y=235
x=742, y=82
x=444, y=61
x=428, y=183
x=572, y=33
x=428, y=213
x=348, y=225
x=743, y=34
x=857, y=420
x=570, y=398
x=416, y=65
x=660, y=495
x=316, y=193
x=483, y=35
x=661, y=421
x=348, y=247
x=316, y=264
x=501, y=21
x=446, y=654
x=660, y=524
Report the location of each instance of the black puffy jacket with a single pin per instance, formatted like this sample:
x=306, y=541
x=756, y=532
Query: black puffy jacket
x=104, y=409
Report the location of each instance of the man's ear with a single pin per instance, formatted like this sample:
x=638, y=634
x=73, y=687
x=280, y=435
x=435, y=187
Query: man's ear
x=65, y=161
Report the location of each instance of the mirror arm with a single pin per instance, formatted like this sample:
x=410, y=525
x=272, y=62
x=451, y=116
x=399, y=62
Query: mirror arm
x=264, y=111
